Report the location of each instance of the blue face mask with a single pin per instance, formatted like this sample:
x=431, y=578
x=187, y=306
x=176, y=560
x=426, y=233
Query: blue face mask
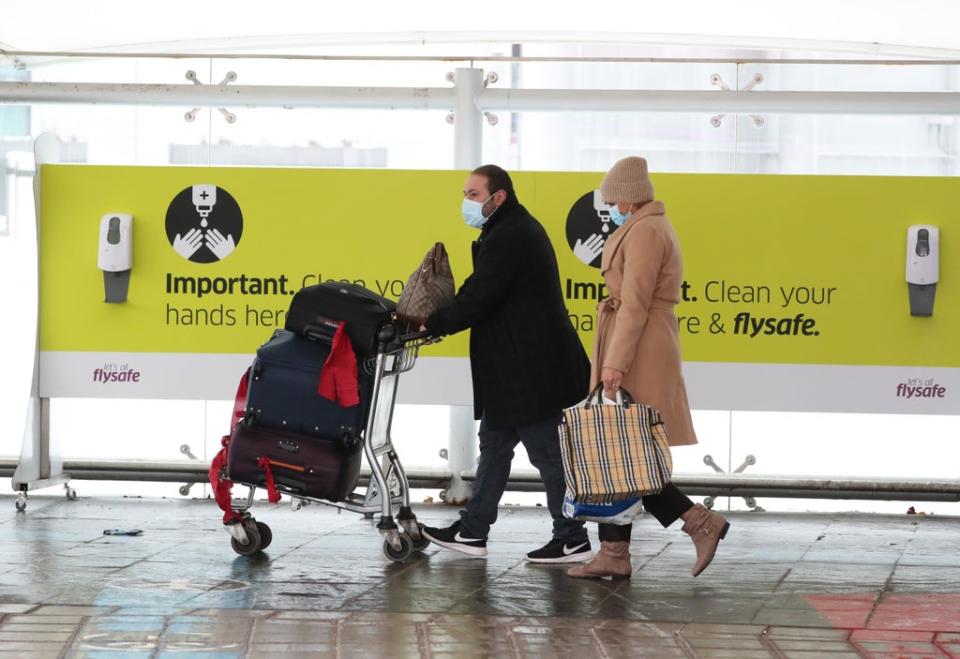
x=616, y=216
x=473, y=212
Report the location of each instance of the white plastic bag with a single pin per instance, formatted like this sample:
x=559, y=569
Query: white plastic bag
x=619, y=513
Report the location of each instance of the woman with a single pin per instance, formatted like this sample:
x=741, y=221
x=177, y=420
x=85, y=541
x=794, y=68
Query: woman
x=638, y=348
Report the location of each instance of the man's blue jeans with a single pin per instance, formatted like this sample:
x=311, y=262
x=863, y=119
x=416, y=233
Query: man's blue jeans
x=542, y=442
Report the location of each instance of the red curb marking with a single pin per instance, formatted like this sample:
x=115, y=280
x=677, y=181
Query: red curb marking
x=896, y=625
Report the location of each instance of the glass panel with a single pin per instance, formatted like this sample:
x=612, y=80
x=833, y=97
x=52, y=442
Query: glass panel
x=18, y=290
x=112, y=430
x=122, y=134
x=911, y=145
x=567, y=141
x=306, y=137
x=855, y=445
x=713, y=437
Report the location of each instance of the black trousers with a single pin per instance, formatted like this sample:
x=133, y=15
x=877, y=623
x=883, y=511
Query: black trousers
x=496, y=454
x=667, y=507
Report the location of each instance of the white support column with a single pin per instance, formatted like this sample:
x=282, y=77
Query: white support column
x=468, y=120
x=467, y=154
x=40, y=464
x=461, y=453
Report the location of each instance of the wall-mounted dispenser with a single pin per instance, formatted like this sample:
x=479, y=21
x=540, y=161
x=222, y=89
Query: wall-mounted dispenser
x=603, y=211
x=115, y=255
x=923, y=267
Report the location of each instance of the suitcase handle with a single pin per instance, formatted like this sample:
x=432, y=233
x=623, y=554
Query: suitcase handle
x=387, y=333
x=318, y=333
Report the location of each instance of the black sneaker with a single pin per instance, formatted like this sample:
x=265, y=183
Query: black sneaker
x=559, y=551
x=455, y=538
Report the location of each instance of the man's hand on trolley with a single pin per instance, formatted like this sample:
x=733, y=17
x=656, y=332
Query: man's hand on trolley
x=430, y=340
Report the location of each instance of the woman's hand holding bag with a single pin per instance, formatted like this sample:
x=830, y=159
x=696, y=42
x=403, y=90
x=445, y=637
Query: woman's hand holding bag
x=611, y=378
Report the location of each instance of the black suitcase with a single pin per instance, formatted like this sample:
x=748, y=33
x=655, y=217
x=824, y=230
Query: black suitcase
x=369, y=318
x=307, y=466
x=283, y=391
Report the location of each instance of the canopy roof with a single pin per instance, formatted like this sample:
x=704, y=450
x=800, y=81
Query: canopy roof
x=898, y=28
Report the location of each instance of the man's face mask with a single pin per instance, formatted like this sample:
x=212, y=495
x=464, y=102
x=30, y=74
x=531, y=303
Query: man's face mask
x=473, y=212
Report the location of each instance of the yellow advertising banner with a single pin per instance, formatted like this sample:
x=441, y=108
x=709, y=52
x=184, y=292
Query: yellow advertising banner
x=779, y=270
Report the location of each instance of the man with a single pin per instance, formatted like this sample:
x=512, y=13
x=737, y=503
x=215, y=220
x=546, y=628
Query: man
x=528, y=363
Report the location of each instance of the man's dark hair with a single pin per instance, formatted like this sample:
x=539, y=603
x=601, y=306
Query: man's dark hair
x=497, y=179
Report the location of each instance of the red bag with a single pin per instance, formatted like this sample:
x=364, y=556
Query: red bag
x=338, y=378
x=219, y=483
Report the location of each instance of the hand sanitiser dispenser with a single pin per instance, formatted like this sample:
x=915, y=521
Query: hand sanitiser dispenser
x=115, y=256
x=923, y=267
x=603, y=211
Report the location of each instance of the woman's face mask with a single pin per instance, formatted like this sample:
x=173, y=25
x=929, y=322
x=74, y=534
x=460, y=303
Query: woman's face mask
x=616, y=216
x=473, y=212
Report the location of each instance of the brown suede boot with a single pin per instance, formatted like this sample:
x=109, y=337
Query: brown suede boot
x=706, y=528
x=613, y=560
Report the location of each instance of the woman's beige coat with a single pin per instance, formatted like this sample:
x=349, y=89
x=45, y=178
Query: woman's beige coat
x=637, y=331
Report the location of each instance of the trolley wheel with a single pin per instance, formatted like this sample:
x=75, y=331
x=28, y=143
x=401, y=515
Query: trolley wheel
x=253, y=546
x=423, y=542
x=266, y=535
x=406, y=548
x=21, y=506
x=71, y=494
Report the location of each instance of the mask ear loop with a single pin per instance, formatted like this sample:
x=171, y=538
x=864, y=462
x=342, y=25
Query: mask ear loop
x=487, y=217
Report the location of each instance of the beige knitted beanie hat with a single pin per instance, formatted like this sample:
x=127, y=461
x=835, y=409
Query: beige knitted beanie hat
x=627, y=181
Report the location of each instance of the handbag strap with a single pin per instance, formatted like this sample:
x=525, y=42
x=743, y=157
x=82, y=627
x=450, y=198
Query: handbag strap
x=626, y=231
x=626, y=398
x=434, y=258
x=622, y=238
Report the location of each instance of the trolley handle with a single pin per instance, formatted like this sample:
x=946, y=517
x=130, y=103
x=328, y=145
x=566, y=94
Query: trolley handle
x=417, y=336
x=401, y=342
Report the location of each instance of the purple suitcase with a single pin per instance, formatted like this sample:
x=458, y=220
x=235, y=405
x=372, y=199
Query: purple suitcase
x=301, y=464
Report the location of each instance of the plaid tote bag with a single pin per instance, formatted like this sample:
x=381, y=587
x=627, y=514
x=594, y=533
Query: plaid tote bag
x=613, y=452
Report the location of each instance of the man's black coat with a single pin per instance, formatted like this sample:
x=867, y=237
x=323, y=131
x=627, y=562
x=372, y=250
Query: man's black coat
x=527, y=361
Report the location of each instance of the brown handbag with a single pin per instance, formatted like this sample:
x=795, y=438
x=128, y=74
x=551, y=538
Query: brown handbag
x=428, y=288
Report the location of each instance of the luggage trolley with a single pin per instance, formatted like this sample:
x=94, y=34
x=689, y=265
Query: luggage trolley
x=387, y=486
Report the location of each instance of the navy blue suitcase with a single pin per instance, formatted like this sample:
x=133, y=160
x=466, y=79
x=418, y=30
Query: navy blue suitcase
x=283, y=391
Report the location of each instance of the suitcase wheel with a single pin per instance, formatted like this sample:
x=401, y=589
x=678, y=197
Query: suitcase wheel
x=406, y=548
x=266, y=535
x=254, y=541
x=423, y=542
x=349, y=442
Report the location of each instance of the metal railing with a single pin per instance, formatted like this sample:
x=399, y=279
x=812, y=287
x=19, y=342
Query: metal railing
x=735, y=485
x=486, y=99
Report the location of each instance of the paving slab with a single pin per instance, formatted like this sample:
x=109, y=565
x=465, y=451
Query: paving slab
x=782, y=585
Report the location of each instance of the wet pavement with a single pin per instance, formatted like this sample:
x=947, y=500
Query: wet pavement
x=783, y=585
